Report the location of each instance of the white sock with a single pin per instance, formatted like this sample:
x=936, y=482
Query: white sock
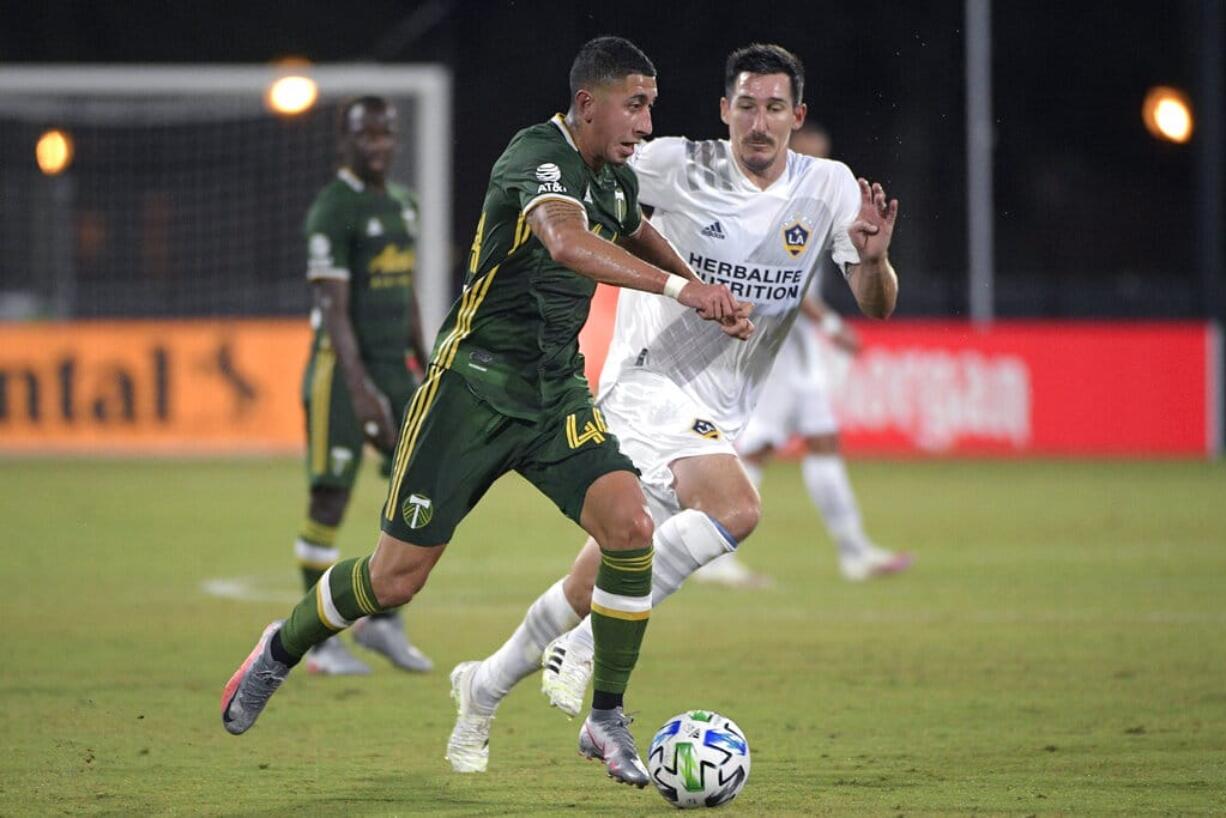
x=826, y=479
x=549, y=617
x=683, y=543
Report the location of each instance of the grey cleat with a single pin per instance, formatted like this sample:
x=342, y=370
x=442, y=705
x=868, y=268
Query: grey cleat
x=605, y=735
x=249, y=689
x=331, y=658
x=468, y=748
x=385, y=634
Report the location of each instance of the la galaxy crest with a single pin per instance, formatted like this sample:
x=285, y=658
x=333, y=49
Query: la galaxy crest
x=705, y=428
x=796, y=235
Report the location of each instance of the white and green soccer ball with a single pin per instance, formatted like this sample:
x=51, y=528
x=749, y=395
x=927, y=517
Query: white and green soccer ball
x=699, y=759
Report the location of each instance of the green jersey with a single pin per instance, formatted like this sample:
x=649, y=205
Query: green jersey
x=367, y=238
x=514, y=333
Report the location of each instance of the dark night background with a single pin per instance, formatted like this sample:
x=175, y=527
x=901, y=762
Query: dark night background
x=1093, y=215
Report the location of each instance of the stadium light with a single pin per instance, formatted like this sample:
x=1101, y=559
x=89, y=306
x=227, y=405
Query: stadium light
x=1168, y=114
x=53, y=152
x=292, y=95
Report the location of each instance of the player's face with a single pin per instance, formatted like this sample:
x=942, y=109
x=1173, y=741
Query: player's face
x=761, y=116
x=620, y=116
x=369, y=142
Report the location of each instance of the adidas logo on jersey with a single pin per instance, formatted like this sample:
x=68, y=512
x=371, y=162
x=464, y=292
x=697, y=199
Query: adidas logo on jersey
x=714, y=231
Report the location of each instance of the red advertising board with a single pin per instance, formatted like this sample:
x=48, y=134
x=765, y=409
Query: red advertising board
x=919, y=387
x=1017, y=387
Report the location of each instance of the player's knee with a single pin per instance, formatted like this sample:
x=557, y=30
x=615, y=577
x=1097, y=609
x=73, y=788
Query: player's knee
x=632, y=530
x=741, y=513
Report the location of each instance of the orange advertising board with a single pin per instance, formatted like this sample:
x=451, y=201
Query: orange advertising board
x=203, y=386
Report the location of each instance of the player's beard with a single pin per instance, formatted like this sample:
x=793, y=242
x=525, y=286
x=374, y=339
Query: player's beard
x=757, y=162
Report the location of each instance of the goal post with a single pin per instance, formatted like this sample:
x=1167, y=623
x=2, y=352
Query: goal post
x=185, y=194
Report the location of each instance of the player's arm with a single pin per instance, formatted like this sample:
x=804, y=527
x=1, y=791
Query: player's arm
x=648, y=244
x=837, y=330
x=373, y=409
x=873, y=281
x=561, y=226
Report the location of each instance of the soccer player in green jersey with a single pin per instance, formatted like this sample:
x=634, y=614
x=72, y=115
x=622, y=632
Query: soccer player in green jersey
x=360, y=234
x=505, y=391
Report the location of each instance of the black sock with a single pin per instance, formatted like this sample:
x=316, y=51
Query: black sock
x=279, y=652
x=603, y=700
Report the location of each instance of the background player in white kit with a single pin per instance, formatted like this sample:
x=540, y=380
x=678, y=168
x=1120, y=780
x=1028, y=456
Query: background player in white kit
x=797, y=400
x=748, y=213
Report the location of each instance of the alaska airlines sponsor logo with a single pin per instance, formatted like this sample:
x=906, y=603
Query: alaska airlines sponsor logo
x=392, y=259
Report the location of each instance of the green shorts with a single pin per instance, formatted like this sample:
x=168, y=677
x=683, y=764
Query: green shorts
x=335, y=439
x=453, y=446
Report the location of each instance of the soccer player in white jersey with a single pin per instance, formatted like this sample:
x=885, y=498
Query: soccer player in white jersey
x=796, y=400
x=749, y=213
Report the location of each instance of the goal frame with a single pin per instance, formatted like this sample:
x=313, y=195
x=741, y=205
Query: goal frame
x=430, y=141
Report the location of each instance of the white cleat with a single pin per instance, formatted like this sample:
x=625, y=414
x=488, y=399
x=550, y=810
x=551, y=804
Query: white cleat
x=873, y=561
x=468, y=749
x=385, y=634
x=730, y=572
x=567, y=670
x=331, y=658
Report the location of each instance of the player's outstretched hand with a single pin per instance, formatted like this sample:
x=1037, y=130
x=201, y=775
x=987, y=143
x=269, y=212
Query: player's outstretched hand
x=713, y=301
x=374, y=412
x=874, y=225
x=847, y=339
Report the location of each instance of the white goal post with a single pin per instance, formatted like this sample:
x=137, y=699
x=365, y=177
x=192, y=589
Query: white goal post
x=34, y=93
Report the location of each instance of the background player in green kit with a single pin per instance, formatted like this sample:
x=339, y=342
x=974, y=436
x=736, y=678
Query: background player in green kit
x=505, y=392
x=360, y=235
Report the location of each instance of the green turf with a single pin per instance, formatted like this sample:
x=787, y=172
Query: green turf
x=1058, y=649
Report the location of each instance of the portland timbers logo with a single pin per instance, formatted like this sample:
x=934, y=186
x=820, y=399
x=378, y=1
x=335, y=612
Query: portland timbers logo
x=795, y=238
x=417, y=510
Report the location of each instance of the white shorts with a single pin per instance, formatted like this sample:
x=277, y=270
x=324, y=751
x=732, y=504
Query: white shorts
x=656, y=424
x=795, y=399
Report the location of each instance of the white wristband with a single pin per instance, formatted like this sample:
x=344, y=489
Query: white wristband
x=674, y=285
x=831, y=322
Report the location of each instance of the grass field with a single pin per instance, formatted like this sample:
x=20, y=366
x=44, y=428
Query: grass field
x=1059, y=649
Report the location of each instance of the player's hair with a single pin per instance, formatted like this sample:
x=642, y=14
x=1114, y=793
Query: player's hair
x=766, y=58
x=368, y=102
x=607, y=59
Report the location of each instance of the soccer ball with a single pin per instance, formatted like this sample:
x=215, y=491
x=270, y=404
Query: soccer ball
x=699, y=759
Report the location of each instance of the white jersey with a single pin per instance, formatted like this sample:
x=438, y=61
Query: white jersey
x=766, y=245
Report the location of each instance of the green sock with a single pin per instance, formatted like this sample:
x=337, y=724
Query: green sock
x=621, y=606
x=316, y=550
x=343, y=594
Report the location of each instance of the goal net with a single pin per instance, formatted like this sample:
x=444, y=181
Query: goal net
x=184, y=193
